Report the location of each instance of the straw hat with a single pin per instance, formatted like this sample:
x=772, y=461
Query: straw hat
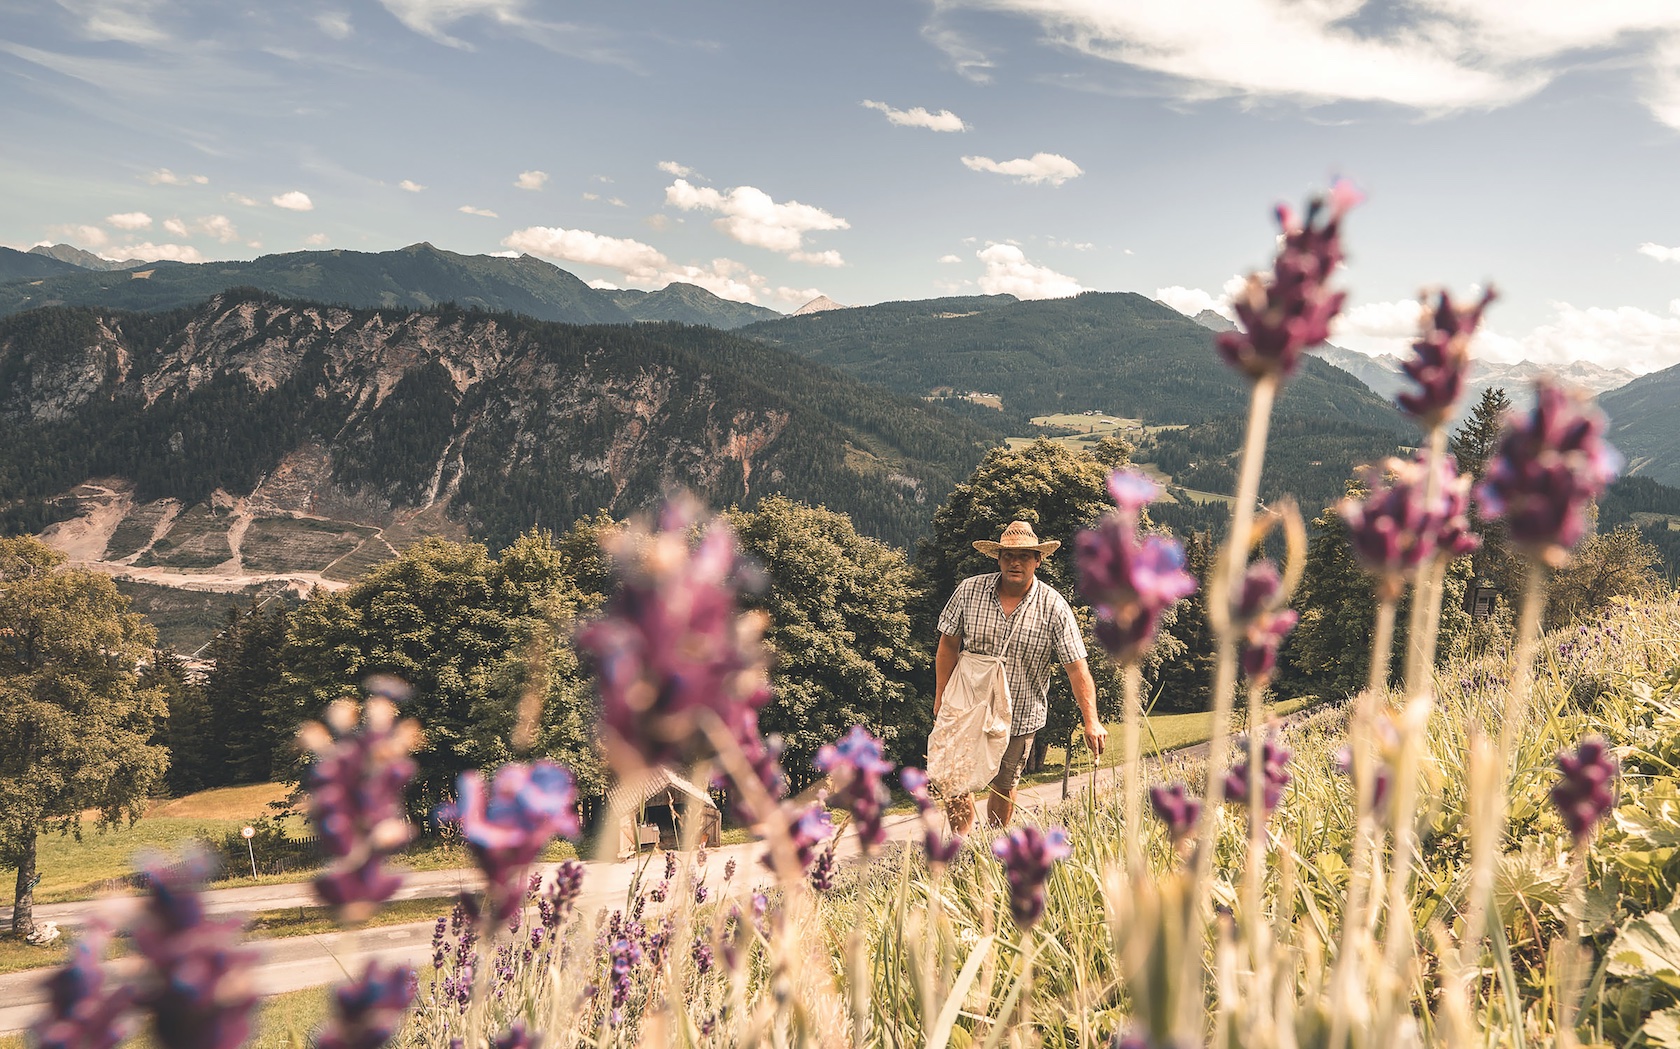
x=1019, y=535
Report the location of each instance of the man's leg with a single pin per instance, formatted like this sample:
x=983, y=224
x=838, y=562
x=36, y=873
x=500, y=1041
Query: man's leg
x=1000, y=797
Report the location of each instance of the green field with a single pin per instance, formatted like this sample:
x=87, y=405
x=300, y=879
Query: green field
x=197, y=539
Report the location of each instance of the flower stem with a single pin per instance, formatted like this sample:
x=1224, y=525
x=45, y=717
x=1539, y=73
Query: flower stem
x=1132, y=739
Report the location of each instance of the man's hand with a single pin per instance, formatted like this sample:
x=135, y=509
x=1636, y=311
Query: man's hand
x=1096, y=735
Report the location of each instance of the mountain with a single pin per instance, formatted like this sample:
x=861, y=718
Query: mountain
x=1642, y=424
x=1213, y=321
x=361, y=419
x=688, y=304
x=820, y=304
x=18, y=265
x=1384, y=376
x=86, y=260
x=1119, y=353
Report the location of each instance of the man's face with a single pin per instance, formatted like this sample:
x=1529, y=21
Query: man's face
x=1018, y=566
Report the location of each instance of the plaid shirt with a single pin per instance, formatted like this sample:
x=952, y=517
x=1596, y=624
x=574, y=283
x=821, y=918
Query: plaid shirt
x=1049, y=635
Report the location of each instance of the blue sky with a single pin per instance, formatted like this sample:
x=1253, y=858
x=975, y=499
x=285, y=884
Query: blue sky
x=884, y=150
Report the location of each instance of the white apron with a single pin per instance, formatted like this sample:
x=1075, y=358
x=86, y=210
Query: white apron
x=972, y=730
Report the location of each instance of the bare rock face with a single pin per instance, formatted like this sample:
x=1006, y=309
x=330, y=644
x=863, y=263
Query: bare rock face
x=820, y=304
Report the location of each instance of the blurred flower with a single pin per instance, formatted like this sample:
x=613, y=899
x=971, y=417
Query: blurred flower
x=1264, y=626
x=855, y=766
x=822, y=869
x=808, y=827
x=1546, y=470
x=1028, y=854
x=85, y=1009
x=1129, y=579
x=672, y=645
x=355, y=786
x=1394, y=529
x=626, y=955
x=527, y=806
x=702, y=953
x=1175, y=806
x=197, y=979
x=940, y=850
x=1442, y=360
x=1274, y=773
x=1379, y=788
x=1282, y=316
x=517, y=1036
x=368, y=1011
x=1587, y=788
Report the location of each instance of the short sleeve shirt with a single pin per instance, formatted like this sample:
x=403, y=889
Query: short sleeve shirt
x=1047, y=635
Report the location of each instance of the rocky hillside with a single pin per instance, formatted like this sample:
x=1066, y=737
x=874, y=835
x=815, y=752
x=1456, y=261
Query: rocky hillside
x=418, y=276
x=1642, y=424
x=202, y=437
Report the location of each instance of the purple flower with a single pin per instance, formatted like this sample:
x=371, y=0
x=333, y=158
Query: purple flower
x=822, y=870
x=702, y=954
x=1264, y=624
x=368, y=1011
x=1274, y=773
x=86, y=1010
x=1130, y=580
x=1028, y=853
x=197, y=984
x=355, y=787
x=1174, y=805
x=940, y=850
x=517, y=1037
x=808, y=827
x=527, y=806
x=672, y=646
x=729, y=868
x=1283, y=316
x=1547, y=469
x=1587, y=788
x=1442, y=361
x=1395, y=530
x=855, y=766
x=626, y=955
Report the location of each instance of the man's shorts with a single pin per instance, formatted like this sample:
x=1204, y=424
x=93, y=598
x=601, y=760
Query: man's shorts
x=1014, y=760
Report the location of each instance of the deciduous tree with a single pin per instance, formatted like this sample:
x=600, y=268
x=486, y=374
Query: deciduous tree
x=75, y=728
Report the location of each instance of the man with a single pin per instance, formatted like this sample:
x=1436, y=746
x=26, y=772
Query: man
x=979, y=617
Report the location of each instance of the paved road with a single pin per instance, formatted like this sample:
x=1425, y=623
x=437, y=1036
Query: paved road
x=310, y=961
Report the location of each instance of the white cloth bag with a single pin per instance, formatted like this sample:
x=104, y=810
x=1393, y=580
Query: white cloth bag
x=971, y=731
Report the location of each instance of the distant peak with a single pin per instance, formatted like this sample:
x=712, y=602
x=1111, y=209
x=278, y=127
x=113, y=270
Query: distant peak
x=820, y=304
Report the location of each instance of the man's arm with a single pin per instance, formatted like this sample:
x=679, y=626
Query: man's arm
x=945, y=661
x=1085, y=694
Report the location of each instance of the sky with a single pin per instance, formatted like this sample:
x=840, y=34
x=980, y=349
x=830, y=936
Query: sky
x=870, y=150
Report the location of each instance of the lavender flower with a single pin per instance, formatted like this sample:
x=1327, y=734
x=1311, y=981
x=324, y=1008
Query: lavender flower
x=1274, y=773
x=809, y=827
x=517, y=1036
x=527, y=806
x=1130, y=580
x=1395, y=529
x=1175, y=806
x=355, y=787
x=940, y=851
x=702, y=954
x=729, y=868
x=673, y=647
x=822, y=870
x=1587, y=789
x=85, y=1009
x=855, y=766
x=1264, y=624
x=1548, y=467
x=1281, y=317
x=626, y=955
x=197, y=985
x=1442, y=361
x=1028, y=854
x=368, y=1011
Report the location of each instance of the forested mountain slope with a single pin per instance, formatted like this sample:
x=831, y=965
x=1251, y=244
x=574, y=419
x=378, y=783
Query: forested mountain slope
x=500, y=420
x=1645, y=424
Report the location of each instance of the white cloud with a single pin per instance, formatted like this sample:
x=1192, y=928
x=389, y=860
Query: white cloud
x=531, y=179
x=751, y=217
x=1191, y=301
x=335, y=24
x=293, y=200
x=819, y=258
x=429, y=17
x=410, y=185
x=153, y=252
x=91, y=237
x=1009, y=273
x=218, y=226
x=1616, y=337
x=317, y=240
x=175, y=228
x=591, y=196
x=1434, y=56
x=129, y=220
x=602, y=285
x=795, y=296
x=504, y=254
x=671, y=167
x=658, y=223
x=240, y=198
x=950, y=258
x=1656, y=251
x=617, y=202
x=1040, y=167
x=468, y=209
x=165, y=177
x=944, y=120
x=1378, y=327
x=640, y=263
